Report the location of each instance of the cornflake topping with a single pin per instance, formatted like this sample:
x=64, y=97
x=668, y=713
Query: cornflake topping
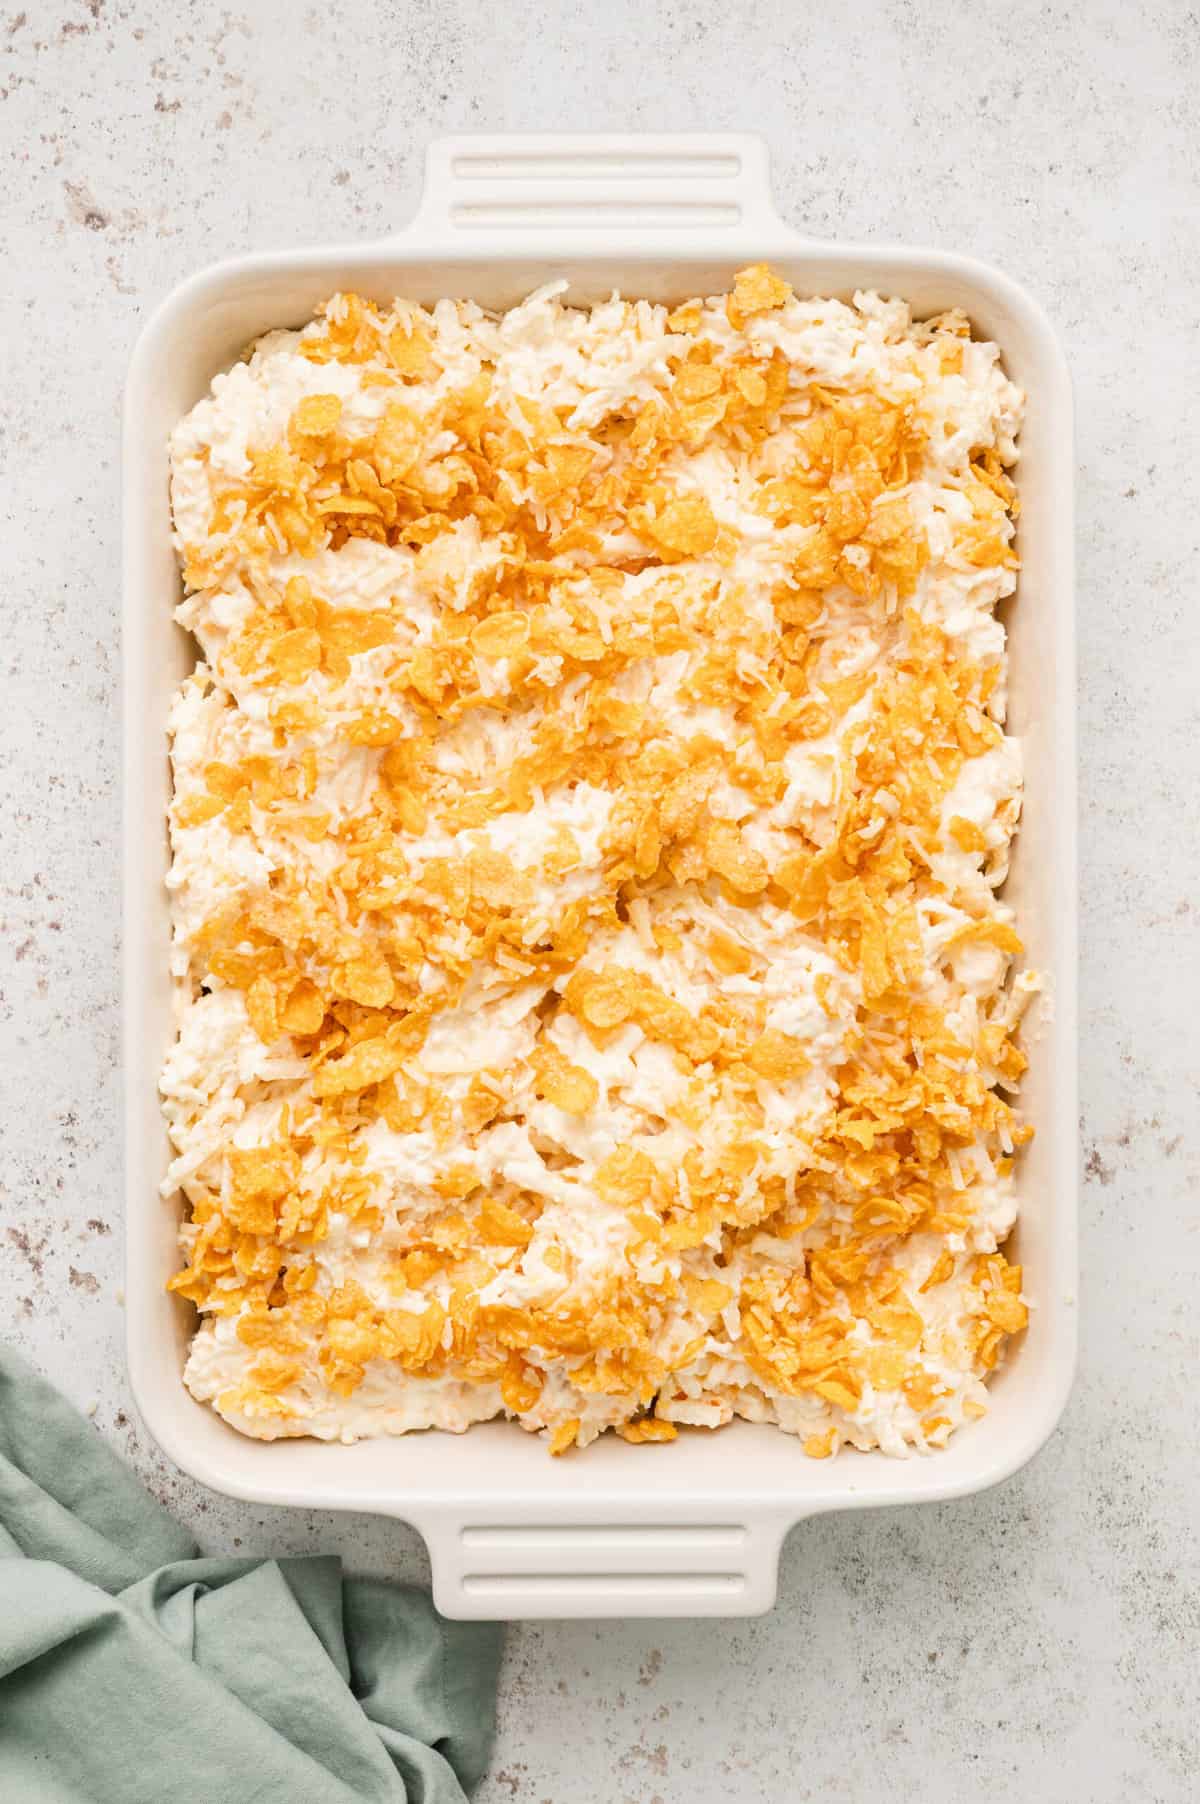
x=595, y=1001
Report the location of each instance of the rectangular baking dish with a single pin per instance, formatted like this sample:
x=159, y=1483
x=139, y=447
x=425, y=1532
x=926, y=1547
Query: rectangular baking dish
x=695, y=1528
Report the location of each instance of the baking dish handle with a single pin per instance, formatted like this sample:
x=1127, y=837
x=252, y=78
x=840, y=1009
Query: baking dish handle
x=679, y=191
x=702, y=1562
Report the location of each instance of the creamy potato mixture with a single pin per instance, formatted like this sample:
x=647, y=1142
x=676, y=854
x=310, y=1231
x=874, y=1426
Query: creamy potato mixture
x=595, y=1004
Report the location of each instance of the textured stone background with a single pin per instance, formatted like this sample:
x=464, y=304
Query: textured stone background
x=1037, y=1643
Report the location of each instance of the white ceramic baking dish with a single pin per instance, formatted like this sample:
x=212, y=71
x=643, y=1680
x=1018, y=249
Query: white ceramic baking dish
x=694, y=1528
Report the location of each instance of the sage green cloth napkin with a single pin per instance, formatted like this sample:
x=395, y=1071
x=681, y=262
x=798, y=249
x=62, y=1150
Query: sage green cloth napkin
x=134, y=1672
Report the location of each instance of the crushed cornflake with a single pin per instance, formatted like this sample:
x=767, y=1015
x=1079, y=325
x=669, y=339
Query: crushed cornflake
x=596, y=1001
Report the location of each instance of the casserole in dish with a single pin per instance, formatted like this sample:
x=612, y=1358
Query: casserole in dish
x=507, y=1536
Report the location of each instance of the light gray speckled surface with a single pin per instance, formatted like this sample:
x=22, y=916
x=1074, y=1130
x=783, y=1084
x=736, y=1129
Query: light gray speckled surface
x=1037, y=1643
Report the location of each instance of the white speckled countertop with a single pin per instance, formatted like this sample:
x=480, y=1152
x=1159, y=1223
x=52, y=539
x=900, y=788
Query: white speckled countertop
x=1036, y=1645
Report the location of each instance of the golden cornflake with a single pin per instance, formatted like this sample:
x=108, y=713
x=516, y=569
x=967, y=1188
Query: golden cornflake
x=756, y=289
x=259, y=1179
x=647, y=1429
x=682, y=527
x=316, y=415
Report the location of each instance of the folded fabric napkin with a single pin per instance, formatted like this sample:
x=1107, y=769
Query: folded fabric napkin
x=134, y=1672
